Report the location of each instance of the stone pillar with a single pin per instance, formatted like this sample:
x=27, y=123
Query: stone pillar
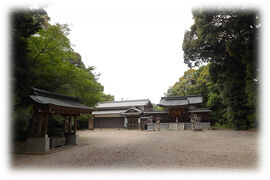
x=125, y=122
x=139, y=123
x=158, y=123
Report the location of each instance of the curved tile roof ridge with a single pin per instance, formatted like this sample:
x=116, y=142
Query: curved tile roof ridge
x=125, y=101
x=39, y=92
x=179, y=97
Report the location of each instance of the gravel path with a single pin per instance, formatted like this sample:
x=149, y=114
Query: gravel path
x=103, y=149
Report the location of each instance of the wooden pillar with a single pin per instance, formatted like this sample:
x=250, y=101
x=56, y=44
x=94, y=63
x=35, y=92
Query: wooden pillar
x=45, y=125
x=69, y=124
x=91, y=123
x=75, y=124
x=39, y=125
x=33, y=128
x=181, y=115
x=65, y=124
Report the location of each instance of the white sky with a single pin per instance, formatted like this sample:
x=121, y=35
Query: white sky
x=138, y=51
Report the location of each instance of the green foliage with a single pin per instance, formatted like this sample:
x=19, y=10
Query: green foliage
x=83, y=121
x=196, y=82
x=227, y=38
x=185, y=85
x=52, y=58
x=56, y=126
x=157, y=108
x=193, y=82
x=20, y=123
x=107, y=97
x=221, y=125
x=42, y=57
x=24, y=23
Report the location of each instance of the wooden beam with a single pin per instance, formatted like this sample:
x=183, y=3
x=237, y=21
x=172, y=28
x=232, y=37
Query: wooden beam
x=68, y=110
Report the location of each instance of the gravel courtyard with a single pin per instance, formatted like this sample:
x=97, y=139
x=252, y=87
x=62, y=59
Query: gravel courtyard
x=119, y=149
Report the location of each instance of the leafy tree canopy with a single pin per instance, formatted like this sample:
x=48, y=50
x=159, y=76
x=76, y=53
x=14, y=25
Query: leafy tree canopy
x=42, y=57
x=227, y=39
x=193, y=82
x=157, y=108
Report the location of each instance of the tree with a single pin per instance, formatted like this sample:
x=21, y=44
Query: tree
x=227, y=38
x=42, y=57
x=157, y=108
x=193, y=82
x=24, y=23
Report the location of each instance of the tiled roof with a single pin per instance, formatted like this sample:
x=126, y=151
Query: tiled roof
x=200, y=110
x=123, y=104
x=109, y=112
x=45, y=97
x=180, y=100
x=156, y=112
x=133, y=109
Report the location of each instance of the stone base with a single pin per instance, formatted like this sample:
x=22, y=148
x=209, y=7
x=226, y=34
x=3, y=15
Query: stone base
x=183, y=126
x=188, y=126
x=150, y=127
x=37, y=144
x=164, y=126
x=196, y=126
x=71, y=139
x=57, y=141
x=203, y=126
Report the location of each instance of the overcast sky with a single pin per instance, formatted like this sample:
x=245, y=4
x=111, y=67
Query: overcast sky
x=136, y=46
x=137, y=50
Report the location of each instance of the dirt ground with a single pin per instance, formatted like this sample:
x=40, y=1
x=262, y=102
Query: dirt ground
x=118, y=149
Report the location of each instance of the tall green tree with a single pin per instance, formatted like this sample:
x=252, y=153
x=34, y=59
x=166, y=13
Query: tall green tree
x=42, y=57
x=227, y=38
x=24, y=23
x=57, y=68
x=195, y=82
